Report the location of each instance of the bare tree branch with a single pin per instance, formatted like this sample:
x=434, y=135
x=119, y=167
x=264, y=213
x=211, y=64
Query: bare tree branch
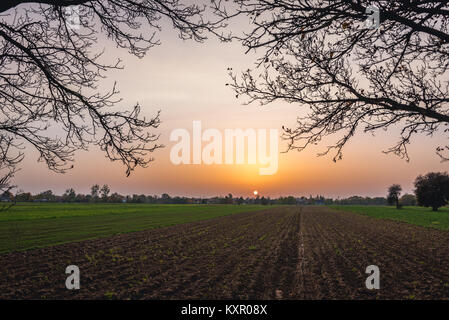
x=50, y=72
x=319, y=55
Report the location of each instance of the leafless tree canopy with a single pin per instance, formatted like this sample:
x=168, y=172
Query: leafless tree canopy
x=319, y=55
x=49, y=71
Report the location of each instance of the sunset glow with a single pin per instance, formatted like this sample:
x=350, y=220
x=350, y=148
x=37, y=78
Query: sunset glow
x=193, y=88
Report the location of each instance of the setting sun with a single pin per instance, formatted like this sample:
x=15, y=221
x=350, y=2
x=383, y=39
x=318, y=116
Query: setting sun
x=256, y=192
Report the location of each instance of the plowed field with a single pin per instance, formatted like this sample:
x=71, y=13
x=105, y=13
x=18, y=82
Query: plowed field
x=281, y=253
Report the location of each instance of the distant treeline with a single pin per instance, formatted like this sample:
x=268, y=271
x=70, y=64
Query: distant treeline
x=103, y=195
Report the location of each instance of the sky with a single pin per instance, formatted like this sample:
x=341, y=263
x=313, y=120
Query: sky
x=186, y=81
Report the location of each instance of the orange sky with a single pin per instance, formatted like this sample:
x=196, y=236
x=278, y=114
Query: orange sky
x=186, y=81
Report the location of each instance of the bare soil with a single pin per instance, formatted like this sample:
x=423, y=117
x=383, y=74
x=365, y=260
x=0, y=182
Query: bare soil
x=282, y=253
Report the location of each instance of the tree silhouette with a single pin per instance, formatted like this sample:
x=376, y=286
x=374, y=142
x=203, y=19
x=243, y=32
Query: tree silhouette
x=394, y=191
x=94, y=192
x=105, y=192
x=408, y=200
x=345, y=76
x=69, y=195
x=49, y=72
x=432, y=190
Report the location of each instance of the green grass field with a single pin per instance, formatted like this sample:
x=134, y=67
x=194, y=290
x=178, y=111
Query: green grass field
x=415, y=215
x=33, y=225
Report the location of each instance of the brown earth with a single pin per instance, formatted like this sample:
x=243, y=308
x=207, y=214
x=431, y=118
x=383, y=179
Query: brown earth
x=282, y=253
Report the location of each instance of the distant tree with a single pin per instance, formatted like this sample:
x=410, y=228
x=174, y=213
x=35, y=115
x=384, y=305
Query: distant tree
x=379, y=201
x=432, y=190
x=408, y=200
x=104, y=192
x=288, y=200
x=69, y=195
x=24, y=197
x=94, y=192
x=116, y=198
x=151, y=199
x=394, y=191
x=165, y=198
x=45, y=196
x=357, y=200
x=81, y=198
x=141, y=198
x=179, y=200
x=264, y=201
x=353, y=200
